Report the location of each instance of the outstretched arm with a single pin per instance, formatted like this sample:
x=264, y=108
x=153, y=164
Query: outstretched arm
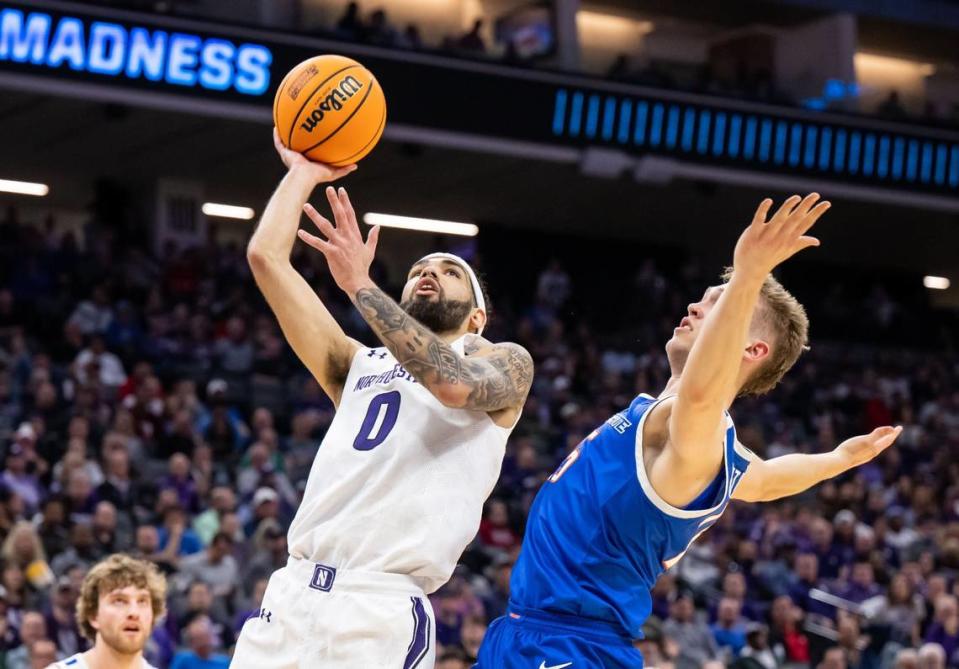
x=766, y=480
x=710, y=376
x=495, y=377
x=316, y=338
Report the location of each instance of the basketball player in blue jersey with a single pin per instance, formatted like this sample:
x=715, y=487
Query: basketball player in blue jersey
x=628, y=501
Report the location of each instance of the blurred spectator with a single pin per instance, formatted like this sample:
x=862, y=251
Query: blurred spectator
x=932, y=656
x=833, y=658
x=757, y=647
x=43, y=653
x=32, y=629
x=471, y=635
x=22, y=548
x=207, y=524
x=495, y=531
x=94, y=315
x=271, y=555
x=350, y=26
x=553, y=286
x=175, y=531
x=81, y=552
x=201, y=604
x=234, y=352
x=472, y=40
x=453, y=658
x=214, y=566
x=497, y=600
x=252, y=609
x=96, y=363
x=785, y=618
x=729, y=630
x=899, y=608
x=379, y=31
x=945, y=627
x=60, y=618
x=891, y=107
x=52, y=527
x=410, y=39
x=201, y=643
x=19, y=479
x=906, y=658
x=696, y=642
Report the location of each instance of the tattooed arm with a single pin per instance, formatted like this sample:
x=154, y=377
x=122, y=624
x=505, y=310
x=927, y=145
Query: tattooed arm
x=489, y=378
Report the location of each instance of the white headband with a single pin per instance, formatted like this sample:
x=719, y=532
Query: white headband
x=474, y=281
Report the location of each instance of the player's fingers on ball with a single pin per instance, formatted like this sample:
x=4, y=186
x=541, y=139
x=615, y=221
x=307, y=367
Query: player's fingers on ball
x=762, y=211
x=276, y=140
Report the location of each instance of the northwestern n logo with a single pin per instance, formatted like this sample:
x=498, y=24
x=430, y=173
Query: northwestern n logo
x=323, y=578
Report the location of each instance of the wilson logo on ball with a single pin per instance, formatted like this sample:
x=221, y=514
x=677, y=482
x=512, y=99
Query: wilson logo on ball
x=346, y=89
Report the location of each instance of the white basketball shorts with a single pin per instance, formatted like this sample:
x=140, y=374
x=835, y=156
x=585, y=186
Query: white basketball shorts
x=314, y=616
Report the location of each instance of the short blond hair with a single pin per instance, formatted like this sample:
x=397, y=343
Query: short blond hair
x=119, y=571
x=780, y=315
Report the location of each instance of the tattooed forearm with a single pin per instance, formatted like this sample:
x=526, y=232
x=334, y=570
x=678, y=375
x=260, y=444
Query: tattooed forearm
x=499, y=380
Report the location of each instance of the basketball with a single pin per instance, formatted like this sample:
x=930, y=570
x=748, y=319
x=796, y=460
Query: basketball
x=331, y=109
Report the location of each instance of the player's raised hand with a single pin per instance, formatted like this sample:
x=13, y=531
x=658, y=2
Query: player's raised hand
x=767, y=243
x=318, y=172
x=860, y=450
x=348, y=256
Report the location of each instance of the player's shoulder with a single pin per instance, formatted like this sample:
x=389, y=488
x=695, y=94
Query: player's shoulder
x=479, y=346
x=72, y=662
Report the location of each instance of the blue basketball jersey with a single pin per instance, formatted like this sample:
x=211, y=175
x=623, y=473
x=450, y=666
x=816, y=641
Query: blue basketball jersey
x=598, y=536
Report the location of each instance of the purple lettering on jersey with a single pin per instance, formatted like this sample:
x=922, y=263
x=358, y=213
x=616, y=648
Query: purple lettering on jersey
x=398, y=372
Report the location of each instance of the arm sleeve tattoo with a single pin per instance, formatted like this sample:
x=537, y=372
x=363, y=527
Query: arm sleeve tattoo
x=496, y=381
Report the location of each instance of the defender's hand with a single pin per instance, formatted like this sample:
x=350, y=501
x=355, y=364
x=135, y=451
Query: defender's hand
x=348, y=256
x=764, y=245
x=318, y=172
x=860, y=450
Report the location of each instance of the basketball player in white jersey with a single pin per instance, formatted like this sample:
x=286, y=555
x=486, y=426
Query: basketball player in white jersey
x=397, y=487
x=121, y=601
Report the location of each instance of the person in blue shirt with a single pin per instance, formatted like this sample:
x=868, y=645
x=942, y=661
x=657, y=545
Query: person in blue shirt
x=629, y=500
x=201, y=639
x=729, y=630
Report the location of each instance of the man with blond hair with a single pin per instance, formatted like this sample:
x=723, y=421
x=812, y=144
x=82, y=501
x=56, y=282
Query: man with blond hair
x=121, y=601
x=627, y=503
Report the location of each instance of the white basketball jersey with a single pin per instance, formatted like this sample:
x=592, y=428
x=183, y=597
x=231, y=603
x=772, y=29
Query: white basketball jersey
x=399, y=482
x=77, y=662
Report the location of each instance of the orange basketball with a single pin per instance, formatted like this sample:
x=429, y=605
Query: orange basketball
x=331, y=109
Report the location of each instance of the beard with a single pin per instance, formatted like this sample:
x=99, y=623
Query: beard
x=123, y=643
x=440, y=315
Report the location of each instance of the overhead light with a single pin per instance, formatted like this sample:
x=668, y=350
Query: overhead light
x=421, y=224
x=936, y=282
x=228, y=211
x=890, y=66
x=23, y=187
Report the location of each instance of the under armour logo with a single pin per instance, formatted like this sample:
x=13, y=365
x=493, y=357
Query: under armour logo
x=263, y=614
x=373, y=354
